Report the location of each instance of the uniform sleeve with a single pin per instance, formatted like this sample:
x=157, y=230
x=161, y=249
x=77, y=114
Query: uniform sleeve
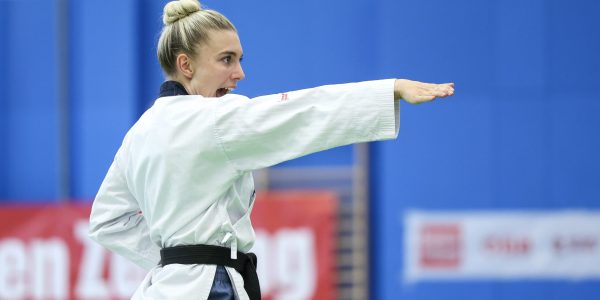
x=268, y=130
x=117, y=223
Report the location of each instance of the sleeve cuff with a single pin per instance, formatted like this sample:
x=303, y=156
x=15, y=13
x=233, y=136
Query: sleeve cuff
x=389, y=122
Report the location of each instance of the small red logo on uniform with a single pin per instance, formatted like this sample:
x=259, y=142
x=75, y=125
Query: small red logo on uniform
x=440, y=246
x=284, y=96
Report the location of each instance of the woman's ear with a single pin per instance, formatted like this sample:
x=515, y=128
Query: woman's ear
x=184, y=65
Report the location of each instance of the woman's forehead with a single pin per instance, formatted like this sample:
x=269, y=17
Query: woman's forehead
x=223, y=41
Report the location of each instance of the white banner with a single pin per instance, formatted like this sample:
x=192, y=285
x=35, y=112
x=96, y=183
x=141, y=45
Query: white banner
x=502, y=245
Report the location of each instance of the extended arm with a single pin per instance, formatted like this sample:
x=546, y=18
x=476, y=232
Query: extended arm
x=268, y=130
x=271, y=129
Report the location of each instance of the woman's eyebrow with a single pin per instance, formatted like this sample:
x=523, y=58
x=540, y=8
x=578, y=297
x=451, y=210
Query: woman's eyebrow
x=232, y=53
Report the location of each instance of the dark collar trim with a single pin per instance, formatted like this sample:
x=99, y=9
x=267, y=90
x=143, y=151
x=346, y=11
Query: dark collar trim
x=172, y=88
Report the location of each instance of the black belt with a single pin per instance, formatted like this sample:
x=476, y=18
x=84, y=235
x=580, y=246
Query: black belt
x=245, y=264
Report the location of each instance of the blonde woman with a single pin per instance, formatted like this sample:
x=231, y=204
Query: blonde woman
x=178, y=196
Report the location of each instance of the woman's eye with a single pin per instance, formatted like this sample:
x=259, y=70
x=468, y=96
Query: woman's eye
x=227, y=59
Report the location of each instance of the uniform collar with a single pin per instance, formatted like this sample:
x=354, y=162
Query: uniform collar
x=172, y=88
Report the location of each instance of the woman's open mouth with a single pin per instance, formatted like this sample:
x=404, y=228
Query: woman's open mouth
x=222, y=92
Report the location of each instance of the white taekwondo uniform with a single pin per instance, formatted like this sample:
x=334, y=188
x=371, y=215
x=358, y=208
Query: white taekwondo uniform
x=183, y=173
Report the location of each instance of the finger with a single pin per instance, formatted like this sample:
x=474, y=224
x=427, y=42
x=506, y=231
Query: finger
x=447, y=90
x=441, y=91
x=431, y=88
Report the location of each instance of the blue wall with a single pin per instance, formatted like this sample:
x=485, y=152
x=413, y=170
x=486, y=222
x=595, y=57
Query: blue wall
x=3, y=96
x=104, y=86
x=520, y=133
x=29, y=101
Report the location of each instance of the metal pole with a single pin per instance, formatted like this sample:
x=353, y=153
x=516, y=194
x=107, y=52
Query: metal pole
x=64, y=128
x=361, y=221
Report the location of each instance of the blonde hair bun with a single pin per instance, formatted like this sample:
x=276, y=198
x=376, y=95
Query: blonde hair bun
x=179, y=9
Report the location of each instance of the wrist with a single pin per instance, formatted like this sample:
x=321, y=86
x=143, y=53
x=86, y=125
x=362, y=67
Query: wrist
x=398, y=89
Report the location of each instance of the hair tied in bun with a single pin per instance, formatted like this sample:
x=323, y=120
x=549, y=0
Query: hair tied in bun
x=180, y=9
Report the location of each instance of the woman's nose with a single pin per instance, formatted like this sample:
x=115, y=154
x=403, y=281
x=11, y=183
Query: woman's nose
x=239, y=73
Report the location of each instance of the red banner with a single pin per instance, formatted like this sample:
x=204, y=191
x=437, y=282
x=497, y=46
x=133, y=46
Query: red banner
x=45, y=252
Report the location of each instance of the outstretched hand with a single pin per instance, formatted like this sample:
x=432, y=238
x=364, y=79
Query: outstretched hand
x=416, y=92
